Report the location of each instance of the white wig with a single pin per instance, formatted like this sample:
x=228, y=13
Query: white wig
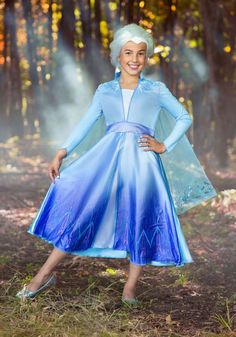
x=130, y=32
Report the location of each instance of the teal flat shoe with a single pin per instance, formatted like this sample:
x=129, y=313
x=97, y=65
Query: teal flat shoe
x=131, y=301
x=25, y=293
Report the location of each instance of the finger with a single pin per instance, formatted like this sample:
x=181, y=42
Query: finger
x=57, y=173
x=51, y=175
x=149, y=149
x=143, y=144
x=144, y=140
x=146, y=136
x=52, y=178
x=147, y=139
x=146, y=148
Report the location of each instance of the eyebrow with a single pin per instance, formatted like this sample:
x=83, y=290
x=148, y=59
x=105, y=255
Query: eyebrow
x=132, y=50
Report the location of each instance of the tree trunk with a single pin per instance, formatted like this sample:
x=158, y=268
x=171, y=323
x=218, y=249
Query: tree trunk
x=12, y=121
x=34, y=90
x=4, y=80
x=66, y=34
x=213, y=45
x=129, y=11
x=92, y=45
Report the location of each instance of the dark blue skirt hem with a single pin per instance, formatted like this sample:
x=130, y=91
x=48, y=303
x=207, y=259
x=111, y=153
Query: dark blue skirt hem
x=111, y=253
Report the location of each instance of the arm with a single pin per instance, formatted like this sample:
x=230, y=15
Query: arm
x=81, y=129
x=183, y=120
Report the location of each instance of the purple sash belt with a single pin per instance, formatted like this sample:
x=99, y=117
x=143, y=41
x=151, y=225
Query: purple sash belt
x=125, y=126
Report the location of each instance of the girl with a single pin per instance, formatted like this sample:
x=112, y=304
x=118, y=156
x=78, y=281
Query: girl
x=118, y=200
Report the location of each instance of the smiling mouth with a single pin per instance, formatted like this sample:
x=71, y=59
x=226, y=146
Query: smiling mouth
x=134, y=67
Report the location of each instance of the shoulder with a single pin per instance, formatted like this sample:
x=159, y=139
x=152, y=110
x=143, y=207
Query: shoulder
x=108, y=83
x=104, y=86
x=99, y=87
x=158, y=87
x=161, y=88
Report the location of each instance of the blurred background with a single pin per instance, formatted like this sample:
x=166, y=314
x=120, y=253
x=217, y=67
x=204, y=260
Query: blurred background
x=53, y=54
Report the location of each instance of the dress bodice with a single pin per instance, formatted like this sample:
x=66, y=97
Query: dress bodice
x=142, y=105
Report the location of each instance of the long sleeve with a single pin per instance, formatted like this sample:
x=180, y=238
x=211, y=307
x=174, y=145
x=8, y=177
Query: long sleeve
x=183, y=120
x=81, y=129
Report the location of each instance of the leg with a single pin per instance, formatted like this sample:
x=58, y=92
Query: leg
x=134, y=274
x=52, y=261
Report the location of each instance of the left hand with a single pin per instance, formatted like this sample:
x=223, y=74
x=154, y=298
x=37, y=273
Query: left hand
x=151, y=144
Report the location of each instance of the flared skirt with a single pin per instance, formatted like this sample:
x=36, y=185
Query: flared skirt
x=114, y=201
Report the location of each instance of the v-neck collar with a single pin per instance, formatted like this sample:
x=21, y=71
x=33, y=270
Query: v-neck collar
x=119, y=89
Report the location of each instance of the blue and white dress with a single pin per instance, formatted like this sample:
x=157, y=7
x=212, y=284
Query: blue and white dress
x=115, y=200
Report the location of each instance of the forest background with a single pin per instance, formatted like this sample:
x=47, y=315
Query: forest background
x=53, y=54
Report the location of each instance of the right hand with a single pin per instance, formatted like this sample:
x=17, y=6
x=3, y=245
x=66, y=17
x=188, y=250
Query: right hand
x=55, y=165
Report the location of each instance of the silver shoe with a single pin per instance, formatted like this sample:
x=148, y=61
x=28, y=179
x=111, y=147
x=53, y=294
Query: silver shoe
x=25, y=293
x=131, y=301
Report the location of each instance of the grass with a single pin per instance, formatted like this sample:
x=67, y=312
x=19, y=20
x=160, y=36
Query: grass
x=228, y=321
x=53, y=315
x=90, y=313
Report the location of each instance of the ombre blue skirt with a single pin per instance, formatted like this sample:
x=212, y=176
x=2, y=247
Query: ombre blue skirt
x=114, y=201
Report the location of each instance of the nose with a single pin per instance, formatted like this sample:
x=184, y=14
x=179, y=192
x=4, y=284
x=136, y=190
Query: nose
x=134, y=57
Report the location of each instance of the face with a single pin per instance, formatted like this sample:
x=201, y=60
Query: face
x=133, y=58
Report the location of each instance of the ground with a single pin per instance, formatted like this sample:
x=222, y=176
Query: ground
x=197, y=300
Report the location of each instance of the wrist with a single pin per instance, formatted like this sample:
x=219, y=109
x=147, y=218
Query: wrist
x=61, y=153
